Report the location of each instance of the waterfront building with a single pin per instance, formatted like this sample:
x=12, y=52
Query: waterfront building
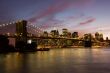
x=54, y=33
x=69, y=35
x=65, y=32
x=87, y=40
x=45, y=34
x=107, y=38
x=75, y=35
x=97, y=36
x=101, y=37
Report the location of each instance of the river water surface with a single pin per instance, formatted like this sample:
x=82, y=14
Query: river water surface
x=57, y=61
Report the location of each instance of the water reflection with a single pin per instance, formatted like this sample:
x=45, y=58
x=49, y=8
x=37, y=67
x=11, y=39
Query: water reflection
x=57, y=61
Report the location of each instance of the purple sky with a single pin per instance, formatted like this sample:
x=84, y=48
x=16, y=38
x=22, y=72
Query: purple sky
x=83, y=16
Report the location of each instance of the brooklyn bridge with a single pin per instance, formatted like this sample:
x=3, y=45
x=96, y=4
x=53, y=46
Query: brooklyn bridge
x=24, y=30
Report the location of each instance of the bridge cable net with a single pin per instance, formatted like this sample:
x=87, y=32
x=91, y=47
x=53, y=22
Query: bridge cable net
x=33, y=29
x=8, y=28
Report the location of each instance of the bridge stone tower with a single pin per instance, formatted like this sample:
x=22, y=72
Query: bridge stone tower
x=21, y=32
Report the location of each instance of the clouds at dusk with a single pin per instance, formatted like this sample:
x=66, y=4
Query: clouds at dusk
x=47, y=14
x=57, y=7
x=87, y=21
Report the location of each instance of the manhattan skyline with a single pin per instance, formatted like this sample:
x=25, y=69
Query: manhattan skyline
x=84, y=16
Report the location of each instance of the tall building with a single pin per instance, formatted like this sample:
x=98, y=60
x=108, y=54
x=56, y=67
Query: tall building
x=45, y=34
x=54, y=33
x=107, y=38
x=87, y=40
x=65, y=32
x=75, y=35
x=101, y=37
x=97, y=36
x=69, y=34
x=87, y=37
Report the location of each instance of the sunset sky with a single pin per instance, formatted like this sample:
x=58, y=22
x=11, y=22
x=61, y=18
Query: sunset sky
x=84, y=16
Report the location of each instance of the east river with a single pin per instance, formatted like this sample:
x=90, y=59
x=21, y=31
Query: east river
x=66, y=60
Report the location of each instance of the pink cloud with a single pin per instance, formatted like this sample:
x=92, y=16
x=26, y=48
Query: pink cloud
x=52, y=23
x=58, y=6
x=87, y=21
x=51, y=10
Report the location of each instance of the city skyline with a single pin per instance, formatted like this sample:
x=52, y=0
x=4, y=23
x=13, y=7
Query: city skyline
x=84, y=16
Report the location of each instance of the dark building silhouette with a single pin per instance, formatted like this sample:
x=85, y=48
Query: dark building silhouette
x=54, y=33
x=87, y=40
x=101, y=38
x=65, y=32
x=45, y=34
x=75, y=35
x=97, y=35
x=4, y=45
x=107, y=38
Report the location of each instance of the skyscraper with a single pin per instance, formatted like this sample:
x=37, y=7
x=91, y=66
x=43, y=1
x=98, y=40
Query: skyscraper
x=65, y=32
x=97, y=36
x=54, y=33
x=75, y=35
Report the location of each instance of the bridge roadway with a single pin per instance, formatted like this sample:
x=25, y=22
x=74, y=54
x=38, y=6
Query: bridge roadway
x=75, y=39
x=34, y=37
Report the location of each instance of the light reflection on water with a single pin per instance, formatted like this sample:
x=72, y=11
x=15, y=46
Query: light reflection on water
x=57, y=61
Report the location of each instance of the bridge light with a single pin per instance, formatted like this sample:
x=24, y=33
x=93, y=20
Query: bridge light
x=19, y=35
x=29, y=41
x=8, y=34
x=15, y=34
x=19, y=20
x=7, y=24
x=31, y=24
x=13, y=22
x=10, y=23
x=3, y=25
